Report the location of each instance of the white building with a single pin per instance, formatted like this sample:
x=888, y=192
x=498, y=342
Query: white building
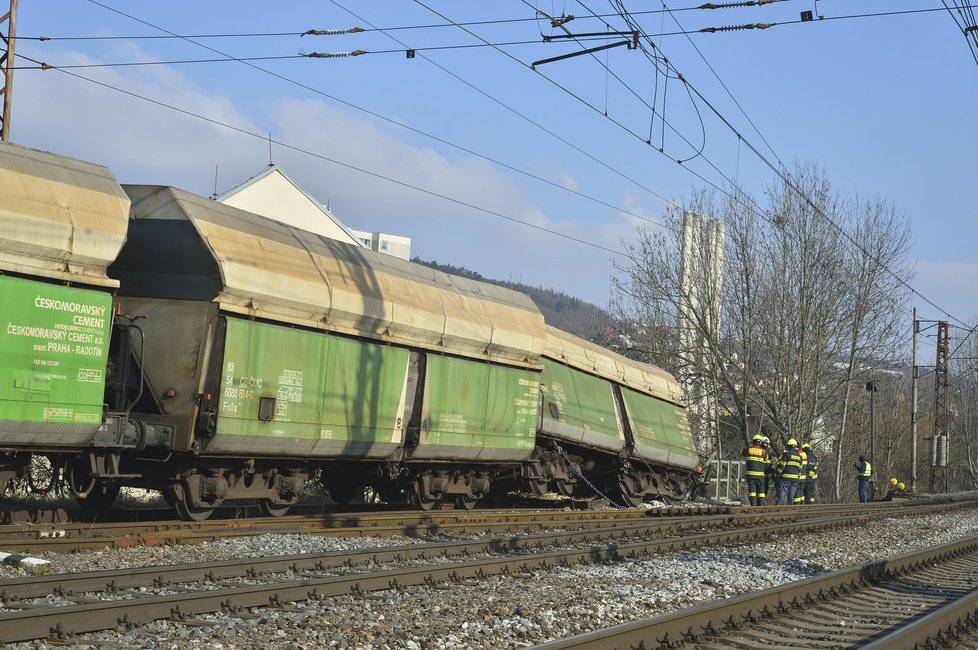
x=274, y=195
x=384, y=243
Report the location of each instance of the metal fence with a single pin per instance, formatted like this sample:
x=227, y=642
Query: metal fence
x=727, y=480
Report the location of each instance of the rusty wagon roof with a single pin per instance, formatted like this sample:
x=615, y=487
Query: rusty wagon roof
x=590, y=357
x=266, y=269
x=60, y=218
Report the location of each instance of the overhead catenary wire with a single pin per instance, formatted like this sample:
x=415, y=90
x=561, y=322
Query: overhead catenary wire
x=779, y=173
x=714, y=186
x=782, y=166
x=333, y=32
x=655, y=61
x=967, y=24
x=782, y=173
x=265, y=138
x=625, y=85
x=534, y=123
x=723, y=85
x=422, y=132
x=709, y=182
x=44, y=65
x=968, y=31
x=301, y=55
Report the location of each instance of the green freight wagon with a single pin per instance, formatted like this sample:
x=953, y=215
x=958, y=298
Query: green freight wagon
x=154, y=338
x=62, y=221
x=274, y=353
x=618, y=423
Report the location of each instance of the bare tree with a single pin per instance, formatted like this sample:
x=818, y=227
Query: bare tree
x=880, y=272
x=810, y=300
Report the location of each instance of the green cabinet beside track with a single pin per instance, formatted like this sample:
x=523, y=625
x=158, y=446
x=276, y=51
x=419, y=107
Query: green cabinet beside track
x=324, y=395
x=53, y=346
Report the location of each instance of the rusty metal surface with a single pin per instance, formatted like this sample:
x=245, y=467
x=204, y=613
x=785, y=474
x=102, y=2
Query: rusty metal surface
x=60, y=218
x=60, y=530
x=70, y=538
x=275, y=271
x=584, y=355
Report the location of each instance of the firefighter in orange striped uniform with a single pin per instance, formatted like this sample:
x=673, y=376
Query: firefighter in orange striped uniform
x=757, y=461
x=788, y=471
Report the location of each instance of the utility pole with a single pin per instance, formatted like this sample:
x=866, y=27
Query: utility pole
x=7, y=63
x=913, y=405
x=872, y=388
x=940, y=399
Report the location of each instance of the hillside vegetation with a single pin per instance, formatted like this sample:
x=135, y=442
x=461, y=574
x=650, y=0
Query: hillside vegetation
x=559, y=309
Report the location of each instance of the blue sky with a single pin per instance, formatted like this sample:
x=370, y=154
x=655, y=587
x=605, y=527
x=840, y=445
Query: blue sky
x=887, y=104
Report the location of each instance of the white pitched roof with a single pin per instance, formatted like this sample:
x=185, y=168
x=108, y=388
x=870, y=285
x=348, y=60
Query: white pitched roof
x=274, y=195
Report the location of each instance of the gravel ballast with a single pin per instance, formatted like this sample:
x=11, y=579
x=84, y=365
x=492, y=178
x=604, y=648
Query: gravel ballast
x=502, y=611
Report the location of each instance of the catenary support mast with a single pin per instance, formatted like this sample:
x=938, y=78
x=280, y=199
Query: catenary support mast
x=8, y=20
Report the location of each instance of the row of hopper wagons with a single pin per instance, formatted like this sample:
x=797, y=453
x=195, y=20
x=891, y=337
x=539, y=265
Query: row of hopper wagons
x=156, y=339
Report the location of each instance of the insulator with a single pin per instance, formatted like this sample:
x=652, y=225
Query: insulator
x=733, y=28
x=942, y=451
x=331, y=32
x=933, y=451
x=731, y=5
x=333, y=55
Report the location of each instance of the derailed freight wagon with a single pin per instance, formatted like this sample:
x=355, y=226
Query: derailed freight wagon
x=243, y=356
x=612, y=424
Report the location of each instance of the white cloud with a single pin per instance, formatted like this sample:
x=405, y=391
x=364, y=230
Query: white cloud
x=146, y=143
x=568, y=181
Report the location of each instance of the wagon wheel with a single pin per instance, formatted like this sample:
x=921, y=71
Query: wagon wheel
x=465, y=501
x=538, y=487
x=80, y=481
x=420, y=502
x=42, y=475
x=191, y=513
x=187, y=512
x=564, y=487
x=270, y=509
x=627, y=497
x=342, y=490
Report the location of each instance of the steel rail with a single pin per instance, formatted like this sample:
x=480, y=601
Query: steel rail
x=40, y=621
x=76, y=515
x=704, y=626
x=343, y=521
x=939, y=626
x=75, y=537
x=15, y=589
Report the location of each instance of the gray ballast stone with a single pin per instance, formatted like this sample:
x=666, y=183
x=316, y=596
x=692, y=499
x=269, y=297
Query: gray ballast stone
x=513, y=611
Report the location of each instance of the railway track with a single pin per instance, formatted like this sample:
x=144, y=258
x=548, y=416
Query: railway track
x=78, y=536
x=910, y=601
x=70, y=604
